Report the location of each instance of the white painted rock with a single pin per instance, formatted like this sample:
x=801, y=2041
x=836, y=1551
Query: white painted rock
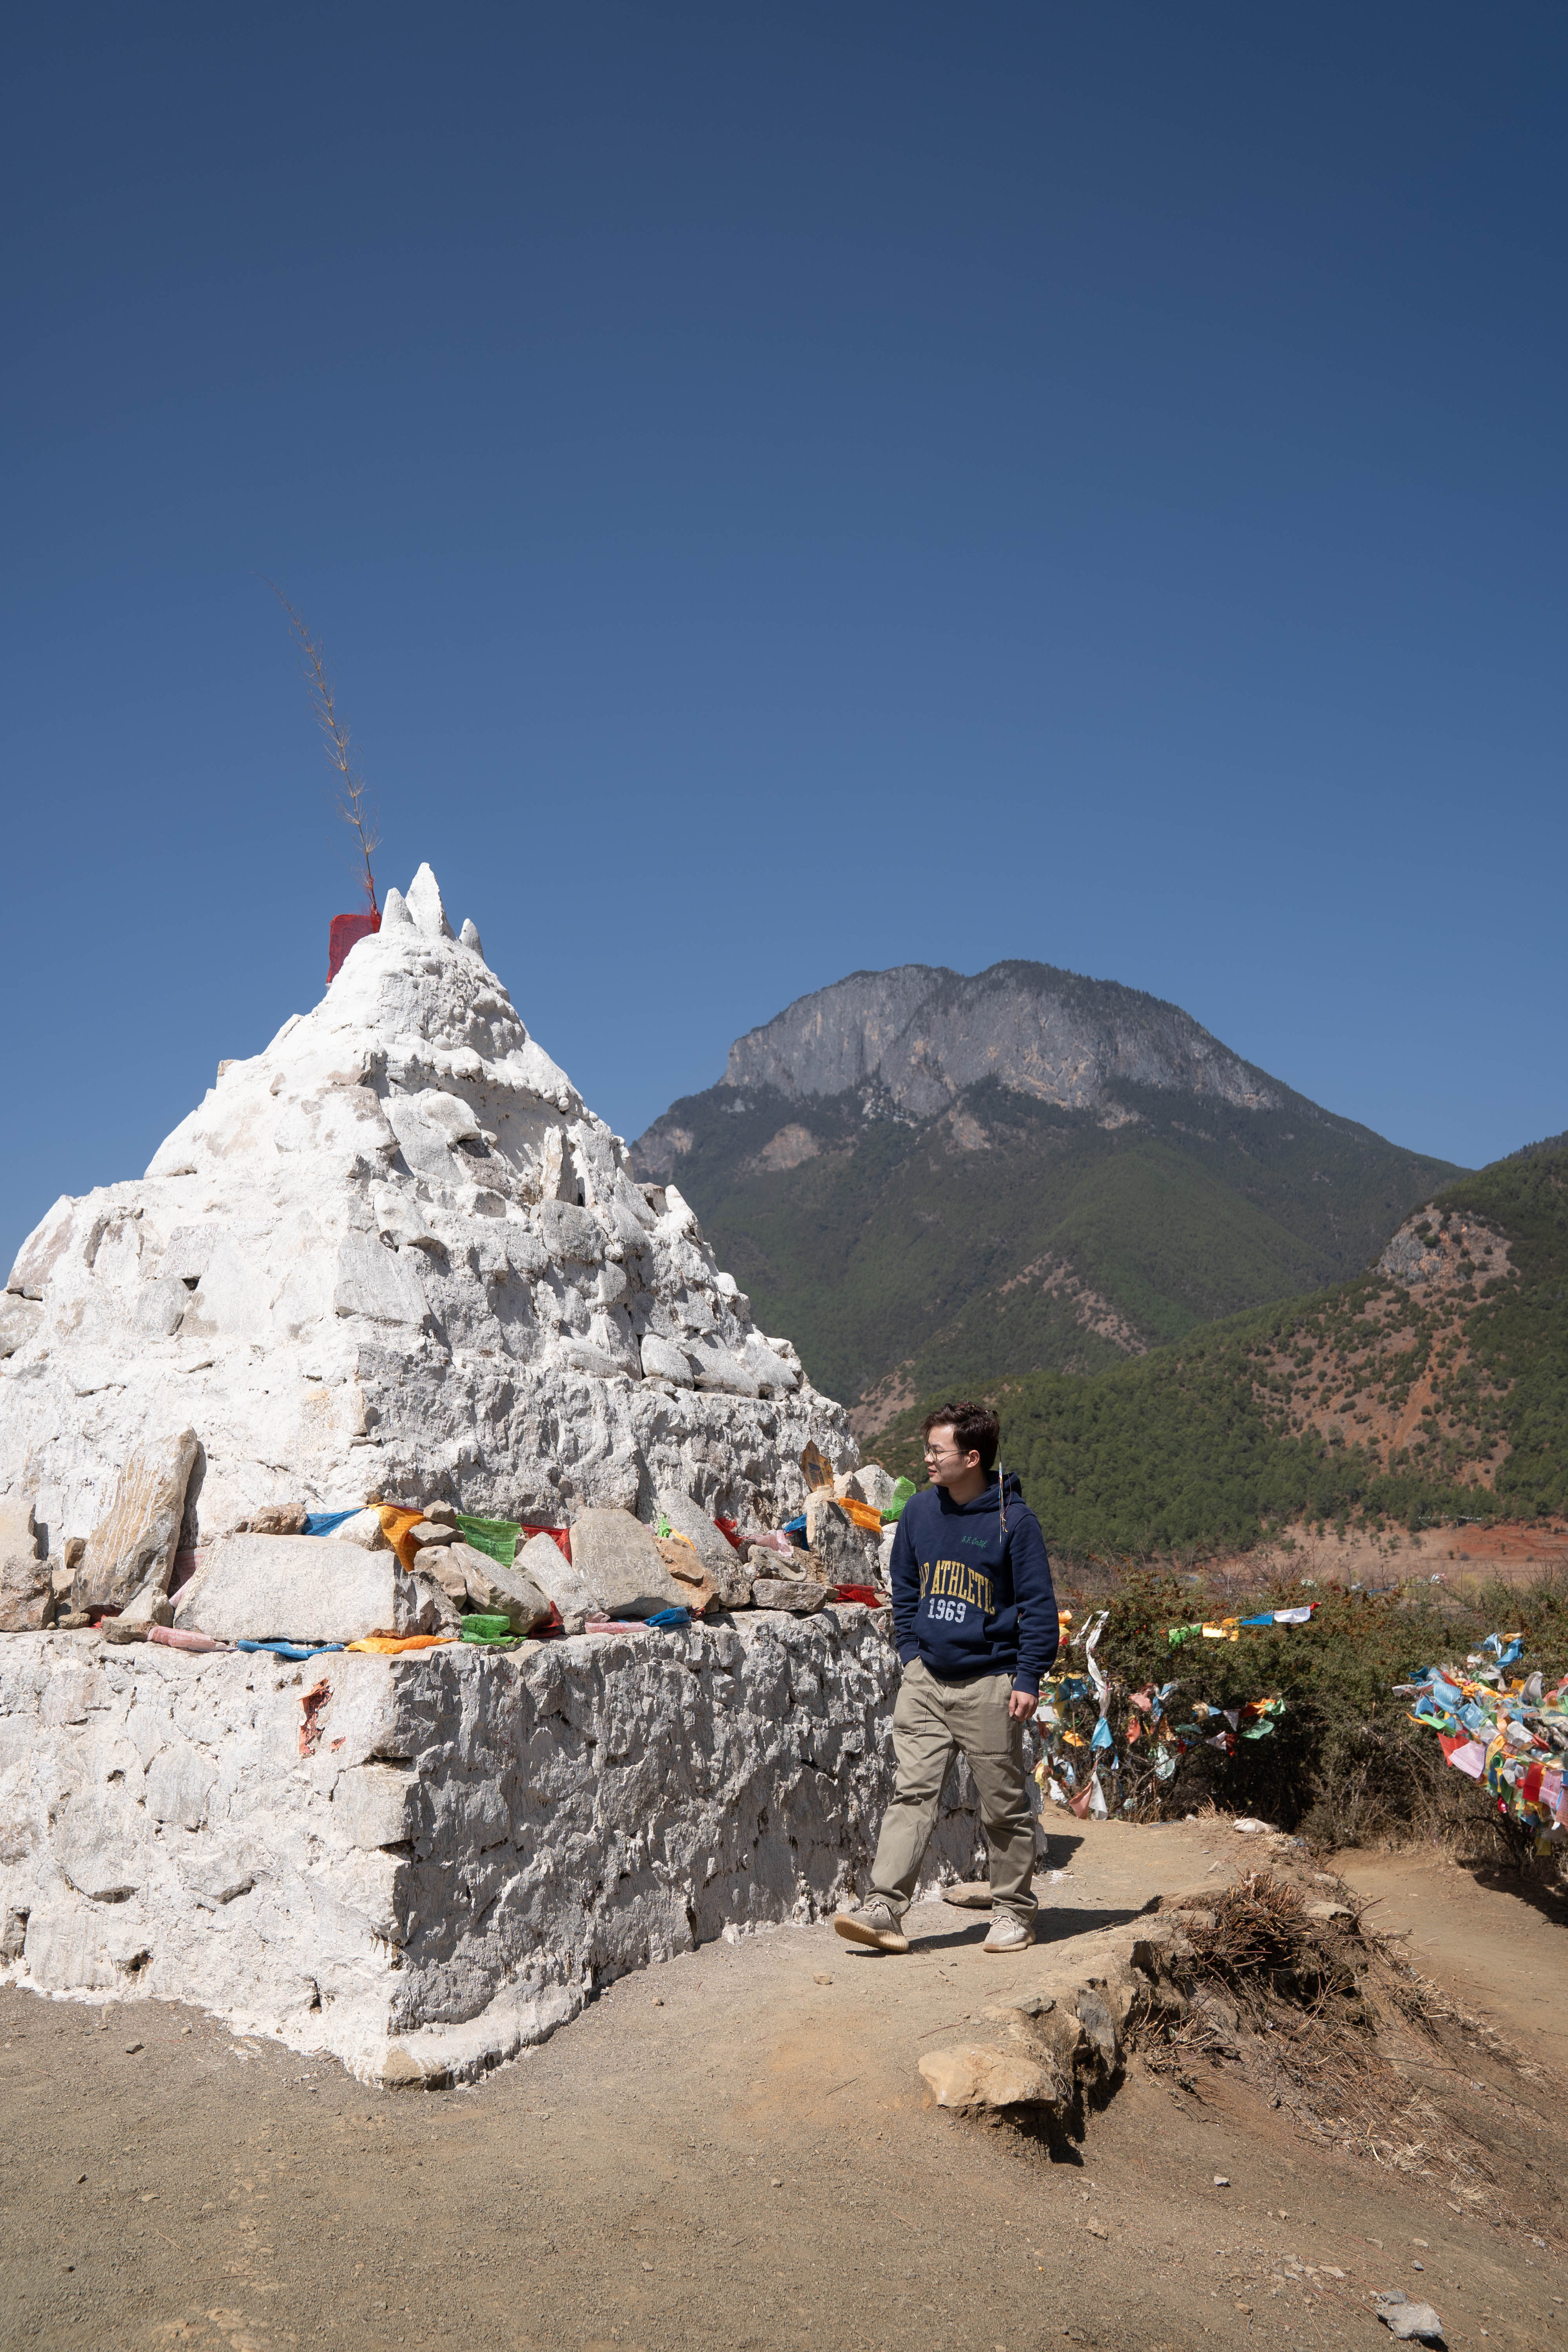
x=663, y=1360
x=300, y=1588
x=616, y=1558
x=870, y=1484
x=727, y=1571
x=688, y=1518
x=25, y=1592
x=394, y=1253
x=134, y=1542
x=19, y=1319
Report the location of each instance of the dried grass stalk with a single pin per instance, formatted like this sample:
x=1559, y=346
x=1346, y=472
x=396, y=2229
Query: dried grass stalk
x=354, y=805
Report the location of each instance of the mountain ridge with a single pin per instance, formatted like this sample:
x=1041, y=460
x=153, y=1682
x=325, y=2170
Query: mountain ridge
x=936, y=1032
x=926, y=1177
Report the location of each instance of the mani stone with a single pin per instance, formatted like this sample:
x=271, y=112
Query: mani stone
x=789, y=1592
x=835, y=1540
x=27, y=1592
x=726, y=1568
x=541, y=1560
x=300, y=1588
x=616, y=1558
x=135, y=1541
x=494, y=1591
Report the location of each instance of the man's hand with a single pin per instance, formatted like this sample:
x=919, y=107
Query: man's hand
x=1021, y=1705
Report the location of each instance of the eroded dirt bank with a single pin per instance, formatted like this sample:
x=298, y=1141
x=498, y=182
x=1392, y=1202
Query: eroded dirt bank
x=728, y=2150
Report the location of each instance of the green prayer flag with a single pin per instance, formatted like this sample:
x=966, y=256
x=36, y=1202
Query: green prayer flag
x=497, y=1538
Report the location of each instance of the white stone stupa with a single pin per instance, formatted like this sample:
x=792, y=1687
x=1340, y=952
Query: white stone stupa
x=394, y=1255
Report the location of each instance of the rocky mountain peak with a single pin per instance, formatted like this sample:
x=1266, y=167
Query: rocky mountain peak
x=919, y=1035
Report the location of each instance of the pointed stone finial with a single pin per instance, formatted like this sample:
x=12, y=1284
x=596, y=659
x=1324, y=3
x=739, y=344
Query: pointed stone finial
x=470, y=937
x=425, y=905
x=395, y=914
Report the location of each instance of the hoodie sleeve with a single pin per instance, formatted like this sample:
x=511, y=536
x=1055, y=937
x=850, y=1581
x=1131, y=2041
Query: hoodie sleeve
x=905, y=1571
x=1039, y=1628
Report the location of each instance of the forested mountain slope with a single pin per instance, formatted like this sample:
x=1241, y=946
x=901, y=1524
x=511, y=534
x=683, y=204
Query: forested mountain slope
x=1433, y=1387
x=926, y=1179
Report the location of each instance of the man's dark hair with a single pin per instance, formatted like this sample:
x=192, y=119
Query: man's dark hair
x=976, y=1430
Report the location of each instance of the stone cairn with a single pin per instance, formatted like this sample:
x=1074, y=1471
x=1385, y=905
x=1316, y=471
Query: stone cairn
x=393, y=1260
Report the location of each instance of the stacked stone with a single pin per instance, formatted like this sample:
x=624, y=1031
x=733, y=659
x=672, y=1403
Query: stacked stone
x=393, y=1254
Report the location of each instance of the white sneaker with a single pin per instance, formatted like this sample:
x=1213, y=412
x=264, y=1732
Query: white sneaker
x=875, y=1927
x=1008, y=1934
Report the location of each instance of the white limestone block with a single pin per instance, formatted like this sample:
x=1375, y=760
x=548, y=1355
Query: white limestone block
x=663, y=1360
x=27, y=1593
x=299, y=1589
x=616, y=1558
x=541, y=1560
x=134, y=1542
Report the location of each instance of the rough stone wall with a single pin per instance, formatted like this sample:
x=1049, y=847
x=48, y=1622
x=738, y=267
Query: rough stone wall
x=420, y=1864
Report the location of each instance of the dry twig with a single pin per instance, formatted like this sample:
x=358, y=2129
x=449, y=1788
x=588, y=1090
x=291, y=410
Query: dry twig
x=353, y=806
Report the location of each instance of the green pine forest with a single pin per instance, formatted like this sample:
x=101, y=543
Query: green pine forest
x=1007, y=1234
x=1269, y=1418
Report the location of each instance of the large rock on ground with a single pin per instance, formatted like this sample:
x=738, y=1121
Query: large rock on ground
x=300, y=1588
x=134, y=1542
x=617, y=1559
x=27, y=1595
x=973, y=2074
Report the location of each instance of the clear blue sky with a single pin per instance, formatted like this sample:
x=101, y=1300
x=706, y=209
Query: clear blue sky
x=788, y=489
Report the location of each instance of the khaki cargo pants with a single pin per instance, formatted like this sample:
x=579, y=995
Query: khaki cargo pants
x=932, y=1721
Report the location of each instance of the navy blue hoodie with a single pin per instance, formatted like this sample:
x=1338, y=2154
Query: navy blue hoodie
x=968, y=1598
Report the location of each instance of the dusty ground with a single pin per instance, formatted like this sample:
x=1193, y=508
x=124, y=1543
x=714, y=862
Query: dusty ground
x=1458, y=1558
x=734, y=2149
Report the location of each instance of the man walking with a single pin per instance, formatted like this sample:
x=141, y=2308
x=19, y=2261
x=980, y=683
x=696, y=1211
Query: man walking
x=976, y=1622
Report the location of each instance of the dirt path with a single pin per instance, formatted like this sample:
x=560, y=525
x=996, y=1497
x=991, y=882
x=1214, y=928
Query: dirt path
x=1498, y=1944
x=732, y=2149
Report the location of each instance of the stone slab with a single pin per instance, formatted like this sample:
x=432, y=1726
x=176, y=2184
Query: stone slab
x=27, y=1591
x=302, y=1589
x=616, y=1558
x=468, y=1843
x=492, y=1590
x=135, y=1541
x=541, y=1558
